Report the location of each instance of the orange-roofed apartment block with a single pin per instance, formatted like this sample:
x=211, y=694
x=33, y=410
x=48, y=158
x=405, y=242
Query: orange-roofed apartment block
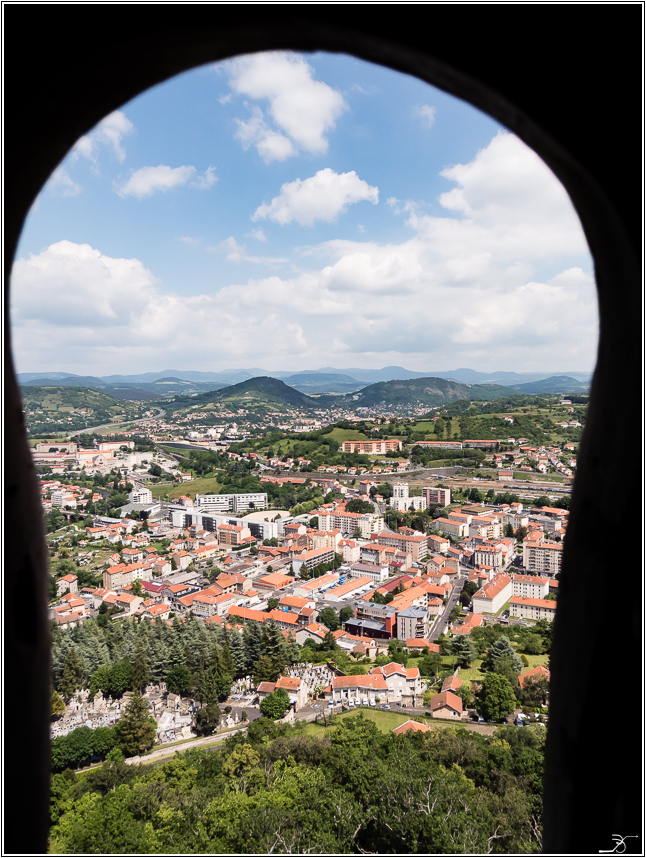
x=532, y=609
x=311, y=559
x=492, y=596
x=372, y=447
x=232, y=534
x=416, y=546
x=542, y=557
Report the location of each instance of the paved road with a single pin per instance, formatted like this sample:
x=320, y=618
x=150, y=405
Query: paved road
x=115, y=425
x=442, y=619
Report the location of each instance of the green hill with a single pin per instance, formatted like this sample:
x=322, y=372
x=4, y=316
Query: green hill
x=262, y=393
x=421, y=392
x=554, y=384
x=67, y=409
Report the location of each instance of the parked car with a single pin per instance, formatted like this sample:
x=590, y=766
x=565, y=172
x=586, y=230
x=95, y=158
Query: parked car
x=372, y=703
x=330, y=705
x=386, y=706
x=351, y=703
x=365, y=701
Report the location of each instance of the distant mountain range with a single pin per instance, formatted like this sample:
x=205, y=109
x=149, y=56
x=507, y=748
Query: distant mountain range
x=140, y=390
x=554, y=384
x=272, y=393
x=173, y=382
x=425, y=392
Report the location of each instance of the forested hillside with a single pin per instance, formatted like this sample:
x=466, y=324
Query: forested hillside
x=276, y=789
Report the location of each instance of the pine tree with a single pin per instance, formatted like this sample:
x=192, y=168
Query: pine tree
x=273, y=646
x=227, y=660
x=140, y=675
x=237, y=650
x=502, y=649
x=136, y=731
x=71, y=676
x=252, y=638
x=464, y=650
x=265, y=670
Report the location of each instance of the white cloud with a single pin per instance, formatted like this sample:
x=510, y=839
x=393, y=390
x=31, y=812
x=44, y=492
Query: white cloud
x=426, y=113
x=271, y=145
x=238, y=253
x=147, y=180
x=321, y=197
x=497, y=282
x=258, y=234
x=72, y=285
x=305, y=110
x=62, y=184
x=109, y=132
x=206, y=181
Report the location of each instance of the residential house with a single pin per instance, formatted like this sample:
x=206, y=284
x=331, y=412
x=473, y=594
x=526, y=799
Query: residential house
x=409, y=726
x=446, y=705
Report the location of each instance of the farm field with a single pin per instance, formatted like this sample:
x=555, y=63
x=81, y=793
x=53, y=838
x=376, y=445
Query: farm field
x=208, y=485
x=341, y=435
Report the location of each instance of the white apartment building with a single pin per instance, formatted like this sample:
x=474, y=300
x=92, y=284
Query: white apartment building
x=489, y=555
x=515, y=519
x=403, y=504
x=349, y=522
x=232, y=503
x=140, y=495
x=370, y=570
x=543, y=558
x=530, y=586
x=532, y=609
x=453, y=528
x=492, y=596
x=349, y=550
x=437, y=496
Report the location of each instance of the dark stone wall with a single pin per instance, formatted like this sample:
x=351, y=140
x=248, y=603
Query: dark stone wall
x=564, y=78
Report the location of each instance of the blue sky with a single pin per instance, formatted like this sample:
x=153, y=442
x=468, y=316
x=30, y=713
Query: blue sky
x=296, y=211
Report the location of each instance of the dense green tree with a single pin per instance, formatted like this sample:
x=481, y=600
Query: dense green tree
x=496, y=699
x=178, y=679
x=329, y=618
x=466, y=694
x=139, y=676
x=252, y=640
x=430, y=664
x=272, y=604
x=135, y=732
x=120, y=678
x=346, y=613
x=265, y=670
x=359, y=505
x=72, y=672
x=275, y=705
x=207, y=718
x=535, y=691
